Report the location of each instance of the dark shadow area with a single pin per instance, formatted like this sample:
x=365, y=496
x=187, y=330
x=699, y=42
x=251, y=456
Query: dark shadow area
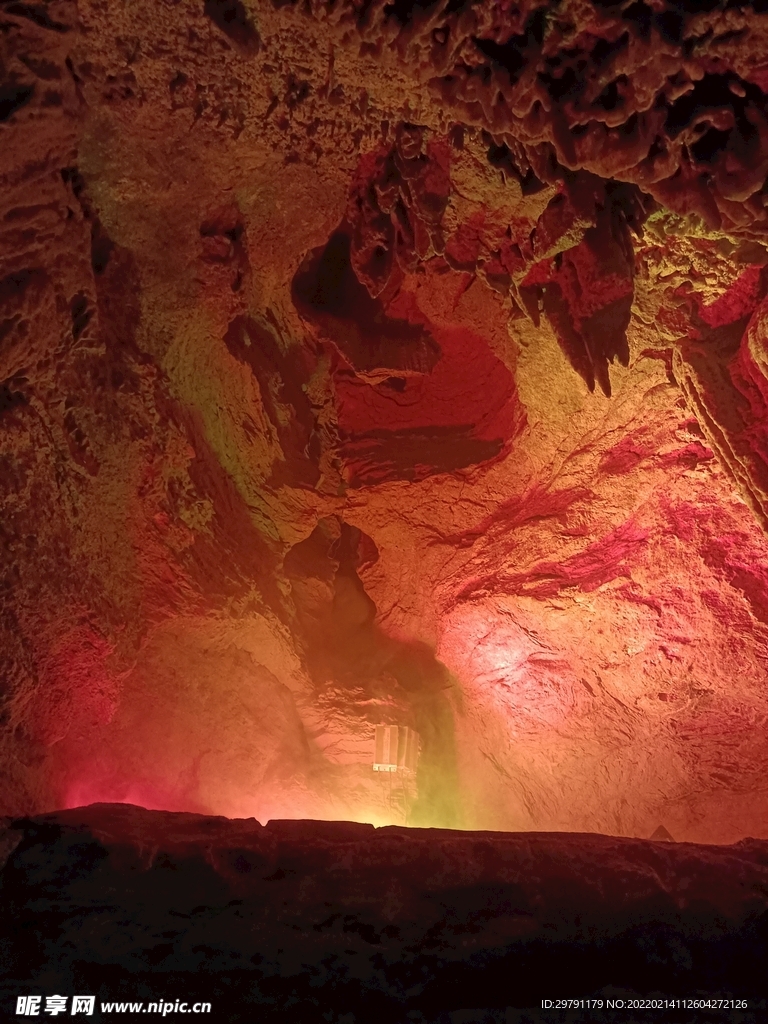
x=35, y=13
x=231, y=17
x=414, y=454
x=348, y=654
x=13, y=97
x=308, y=921
x=280, y=373
x=327, y=293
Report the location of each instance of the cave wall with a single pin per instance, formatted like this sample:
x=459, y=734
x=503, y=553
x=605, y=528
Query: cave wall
x=368, y=362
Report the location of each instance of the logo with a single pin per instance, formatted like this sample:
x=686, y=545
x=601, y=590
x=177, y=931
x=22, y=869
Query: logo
x=29, y=1006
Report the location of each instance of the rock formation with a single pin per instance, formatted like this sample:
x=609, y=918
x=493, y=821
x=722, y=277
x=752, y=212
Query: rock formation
x=370, y=362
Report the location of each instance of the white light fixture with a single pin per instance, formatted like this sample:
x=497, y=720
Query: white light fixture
x=396, y=749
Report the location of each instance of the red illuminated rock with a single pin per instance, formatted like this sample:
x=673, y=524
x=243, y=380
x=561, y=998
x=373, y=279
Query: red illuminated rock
x=386, y=364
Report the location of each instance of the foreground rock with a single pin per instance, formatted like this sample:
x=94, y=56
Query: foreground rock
x=337, y=921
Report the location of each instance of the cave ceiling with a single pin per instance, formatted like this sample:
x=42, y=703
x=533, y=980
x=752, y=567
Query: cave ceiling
x=371, y=362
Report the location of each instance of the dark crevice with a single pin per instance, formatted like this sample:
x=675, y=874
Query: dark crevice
x=610, y=97
x=511, y=55
x=414, y=453
x=14, y=286
x=326, y=291
x=670, y=25
x=404, y=10
x=14, y=97
x=564, y=86
x=81, y=314
x=536, y=26
x=508, y=55
x=709, y=145
x=640, y=16
x=353, y=661
x=231, y=17
x=604, y=49
x=710, y=93
x=10, y=395
x=37, y=14
x=102, y=247
x=280, y=376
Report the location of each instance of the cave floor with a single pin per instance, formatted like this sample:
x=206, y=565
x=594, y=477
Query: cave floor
x=338, y=921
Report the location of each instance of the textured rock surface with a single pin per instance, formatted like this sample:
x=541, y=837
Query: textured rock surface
x=338, y=921
x=367, y=362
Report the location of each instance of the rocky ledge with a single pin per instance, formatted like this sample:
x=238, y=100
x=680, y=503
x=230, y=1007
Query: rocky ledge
x=338, y=921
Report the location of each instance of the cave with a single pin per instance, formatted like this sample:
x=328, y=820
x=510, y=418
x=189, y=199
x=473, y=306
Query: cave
x=384, y=510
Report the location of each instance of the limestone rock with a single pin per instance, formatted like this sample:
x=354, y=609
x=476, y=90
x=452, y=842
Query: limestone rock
x=386, y=363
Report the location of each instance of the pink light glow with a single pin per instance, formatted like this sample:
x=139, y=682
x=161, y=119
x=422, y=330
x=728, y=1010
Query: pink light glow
x=495, y=657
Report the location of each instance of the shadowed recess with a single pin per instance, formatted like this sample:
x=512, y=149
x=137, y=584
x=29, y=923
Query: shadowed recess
x=232, y=18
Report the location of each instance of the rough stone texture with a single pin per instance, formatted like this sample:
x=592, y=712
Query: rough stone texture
x=386, y=362
x=337, y=921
